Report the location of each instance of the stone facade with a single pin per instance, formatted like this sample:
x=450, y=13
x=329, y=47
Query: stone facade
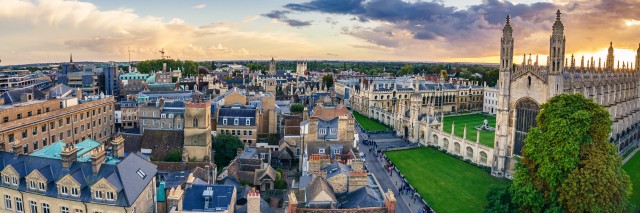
x=524, y=88
x=42, y=123
x=197, y=130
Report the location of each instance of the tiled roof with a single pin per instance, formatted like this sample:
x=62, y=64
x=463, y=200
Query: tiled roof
x=13, y=96
x=162, y=142
x=328, y=113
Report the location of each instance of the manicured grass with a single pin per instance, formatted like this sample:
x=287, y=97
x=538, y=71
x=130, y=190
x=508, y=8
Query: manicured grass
x=471, y=120
x=448, y=184
x=367, y=123
x=632, y=167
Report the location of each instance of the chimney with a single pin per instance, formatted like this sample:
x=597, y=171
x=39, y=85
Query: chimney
x=79, y=94
x=175, y=198
x=293, y=203
x=68, y=155
x=390, y=201
x=253, y=201
x=164, y=67
x=97, y=158
x=208, y=169
x=118, y=146
x=17, y=148
x=189, y=181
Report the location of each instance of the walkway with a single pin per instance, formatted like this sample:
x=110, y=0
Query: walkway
x=376, y=167
x=630, y=155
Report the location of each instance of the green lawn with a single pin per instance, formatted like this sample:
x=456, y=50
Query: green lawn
x=367, y=123
x=471, y=120
x=446, y=183
x=632, y=167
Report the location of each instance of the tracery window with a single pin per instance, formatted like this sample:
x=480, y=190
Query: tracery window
x=526, y=112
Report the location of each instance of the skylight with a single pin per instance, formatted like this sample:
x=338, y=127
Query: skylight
x=141, y=173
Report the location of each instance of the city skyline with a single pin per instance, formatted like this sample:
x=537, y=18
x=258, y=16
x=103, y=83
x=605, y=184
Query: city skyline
x=389, y=30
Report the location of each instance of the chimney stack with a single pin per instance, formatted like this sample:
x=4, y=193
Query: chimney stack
x=253, y=201
x=68, y=155
x=175, y=198
x=17, y=148
x=390, y=201
x=118, y=146
x=97, y=159
x=79, y=94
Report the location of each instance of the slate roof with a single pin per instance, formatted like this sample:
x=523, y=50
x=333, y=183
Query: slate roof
x=59, y=90
x=220, y=199
x=132, y=142
x=242, y=114
x=364, y=197
x=123, y=176
x=162, y=142
x=13, y=96
x=318, y=186
x=336, y=169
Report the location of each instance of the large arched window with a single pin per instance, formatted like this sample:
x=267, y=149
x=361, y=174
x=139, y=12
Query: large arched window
x=195, y=122
x=526, y=112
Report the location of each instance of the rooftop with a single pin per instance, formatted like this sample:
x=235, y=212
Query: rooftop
x=84, y=151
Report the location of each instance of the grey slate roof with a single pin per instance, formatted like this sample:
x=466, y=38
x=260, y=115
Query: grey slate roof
x=123, y=176
x=13, y=96
x=195, y=199
x=364, y=197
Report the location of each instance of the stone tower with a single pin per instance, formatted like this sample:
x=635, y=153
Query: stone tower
x=272, y=66
x=608, y=65
x=197, y=130
x=556, y=58
x=416, y=104
x=501, y=153
x=301, y=68
x=638, y=59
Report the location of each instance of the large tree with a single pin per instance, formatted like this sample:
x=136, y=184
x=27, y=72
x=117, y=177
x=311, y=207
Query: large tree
x=328, y=80
x=226, y=148
x=568, y=164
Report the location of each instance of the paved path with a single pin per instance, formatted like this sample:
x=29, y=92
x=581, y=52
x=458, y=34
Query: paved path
x=630, y=156
x=375, y=166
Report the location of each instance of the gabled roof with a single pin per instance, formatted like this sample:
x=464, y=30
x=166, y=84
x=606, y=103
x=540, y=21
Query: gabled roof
x=13, y=96
x=319, y=190
x=364, y=197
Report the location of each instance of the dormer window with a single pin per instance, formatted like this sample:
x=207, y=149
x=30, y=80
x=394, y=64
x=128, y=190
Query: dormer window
x=32, y=185
x=74, y=192
x=236, y=121
x=15, y=181
x=41, y=186
x=64, y=190
x=109, y=195
x=248, y=122
x=224, y=121
x=6, y=179
x=98, y=195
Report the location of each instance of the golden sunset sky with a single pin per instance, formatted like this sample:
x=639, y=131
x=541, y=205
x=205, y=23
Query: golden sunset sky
x=389, y=30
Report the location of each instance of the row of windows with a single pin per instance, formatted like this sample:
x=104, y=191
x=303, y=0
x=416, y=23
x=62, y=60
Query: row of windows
x=323, y=131
x=29, y=114
x=34, y=130
x=155, y=122
x=33, y=206
x=236, y=121
x=335, y=151
x=234, y=132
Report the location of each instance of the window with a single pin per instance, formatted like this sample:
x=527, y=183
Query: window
x=248, y=122
x=64, y=209
x=7, y=202
x=336, y=151
x=29, y=114
x=75, y=118
x=19, y=115
x=45, y=208
x=64, y=190
x=11, y=138
x=244, y=132
x=236, y=121
x=322, y=131
x=35, y=145
x=60, y=123
x=68, y=120
x=68, y=133
x=33, y=206
x=321, y=151
x=332, y=131
x=77, y=211
x=14, y=180
x=195, y=122
x=109, y=195
x=61, y=135
x=44, y=128
x=224, y=121
x=141, y=173
x=19, y=206
x=5, y=119
x=34, y=131
x=163, y=115
x=41, y=186
x=250, y=132
x=32, y=185
x=98, y=195
x=24, y=134
x=74, y=191
x=6, y=179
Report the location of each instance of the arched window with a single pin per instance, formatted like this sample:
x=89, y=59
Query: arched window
x=483, y=157
x=526, y=112
x=469, y=152
x=195, y=122
x=456, y=147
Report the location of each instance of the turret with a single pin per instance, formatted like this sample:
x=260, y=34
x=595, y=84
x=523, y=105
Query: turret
x=506, y=48
x=556, y=47
x=638, y=59
x=610, y=58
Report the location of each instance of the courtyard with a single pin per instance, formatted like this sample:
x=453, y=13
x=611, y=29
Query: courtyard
x=632, y=167
x=446, y=183
x=367, y=123
x=471, y=120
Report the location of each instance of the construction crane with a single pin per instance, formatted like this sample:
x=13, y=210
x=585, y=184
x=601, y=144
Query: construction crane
x=162, y=54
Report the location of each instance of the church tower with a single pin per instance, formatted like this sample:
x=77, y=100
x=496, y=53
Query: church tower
x=610, y=58
x=272, y=66
x=501, y=154
x=556, y=58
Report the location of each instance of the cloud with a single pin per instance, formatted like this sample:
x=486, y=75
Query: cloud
x=90, y=33
x=199, y=6
x=332, y=54
x=281, y=15
x=475, y=31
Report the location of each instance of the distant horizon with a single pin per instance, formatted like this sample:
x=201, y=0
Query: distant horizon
x=455, y=31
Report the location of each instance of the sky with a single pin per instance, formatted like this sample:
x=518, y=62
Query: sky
x=46, y=31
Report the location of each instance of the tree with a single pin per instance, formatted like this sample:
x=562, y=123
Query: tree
x=225, y=147
x=568, y=164
x=173, y=156
x=328, y=80
x=406, y=70
x=297, y=108
x=499, y=200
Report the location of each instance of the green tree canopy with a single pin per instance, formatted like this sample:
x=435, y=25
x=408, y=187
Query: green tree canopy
x=328, y=80
x=567, y=162
x=148, y=66
x=405, y=70
x=226, y=147
x=499, y=200
x=297, y=108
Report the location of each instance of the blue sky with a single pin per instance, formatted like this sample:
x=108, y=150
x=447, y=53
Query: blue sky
x=403, y=30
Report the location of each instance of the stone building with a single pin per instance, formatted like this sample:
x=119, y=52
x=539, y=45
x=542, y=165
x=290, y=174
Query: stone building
x=524, y=88
x=251, y=166
x=490, y=102
x=329, y=130
x=239, y=120
x=74, y=182
x=37, y=123
x=161, y=114
x=197, y=130
x=129, y=114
